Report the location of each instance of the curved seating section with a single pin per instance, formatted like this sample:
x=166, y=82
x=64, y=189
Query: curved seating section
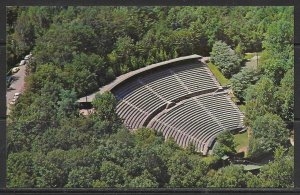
x=142, y=96
x=188, y=123
x=195, y=77
x=224, y=110
x=132, y=107
x=196, y=120
x=165, y=84
x=199, y=120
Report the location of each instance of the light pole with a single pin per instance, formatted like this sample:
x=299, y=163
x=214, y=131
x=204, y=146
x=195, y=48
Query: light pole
x=256, y=59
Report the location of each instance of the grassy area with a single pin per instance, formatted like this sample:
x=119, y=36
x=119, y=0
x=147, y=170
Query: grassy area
x=242, y=108
x=248, y=56
x=252, y=63
x=242, y=140
x=218, y=74
x=234, y=98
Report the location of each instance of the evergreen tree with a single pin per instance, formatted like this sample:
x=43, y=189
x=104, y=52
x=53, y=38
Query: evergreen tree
x=225, y=59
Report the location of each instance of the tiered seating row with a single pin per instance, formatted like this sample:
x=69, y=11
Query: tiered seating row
x=188, y=123
x=195, y=77
x=131, y=115
x=195, y=120
x=165, y=84
x=223, y=110
x=139, y=108
x=152, y=91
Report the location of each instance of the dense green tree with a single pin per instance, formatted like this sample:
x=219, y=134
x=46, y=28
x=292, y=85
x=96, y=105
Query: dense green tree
x=24, y=26
x=120, y=57
x=75, y=37
x=225, y=144
x=182, y=18
x=44, y=74
x=146, y=180
x=183, y=41
x=24, y=34
x=49, y=140
x=225, y=58
x=94, y=68
x=34, y=119
x=270, y=132
x=81, y=177
x=99, y=184
x=113, y=175
x=278, y=54
x=12, y=13
x=231, y=176
x=105, y=105
x=186, y=171
x=242, y=80
x=277, y=174
x=49, y=169
x=285, y=95
x=145, y=137
x=42, y=17
x=260, y=99
x=150, y=160
x=20, y=170
x=67, y=104
x=17, y=140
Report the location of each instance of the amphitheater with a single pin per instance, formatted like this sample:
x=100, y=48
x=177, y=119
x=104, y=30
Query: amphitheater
x=180, y=98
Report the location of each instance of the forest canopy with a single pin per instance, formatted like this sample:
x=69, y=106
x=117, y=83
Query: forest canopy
x=79, y=49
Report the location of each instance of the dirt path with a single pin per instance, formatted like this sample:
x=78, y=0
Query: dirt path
x=252, y=63
x=243, y=149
